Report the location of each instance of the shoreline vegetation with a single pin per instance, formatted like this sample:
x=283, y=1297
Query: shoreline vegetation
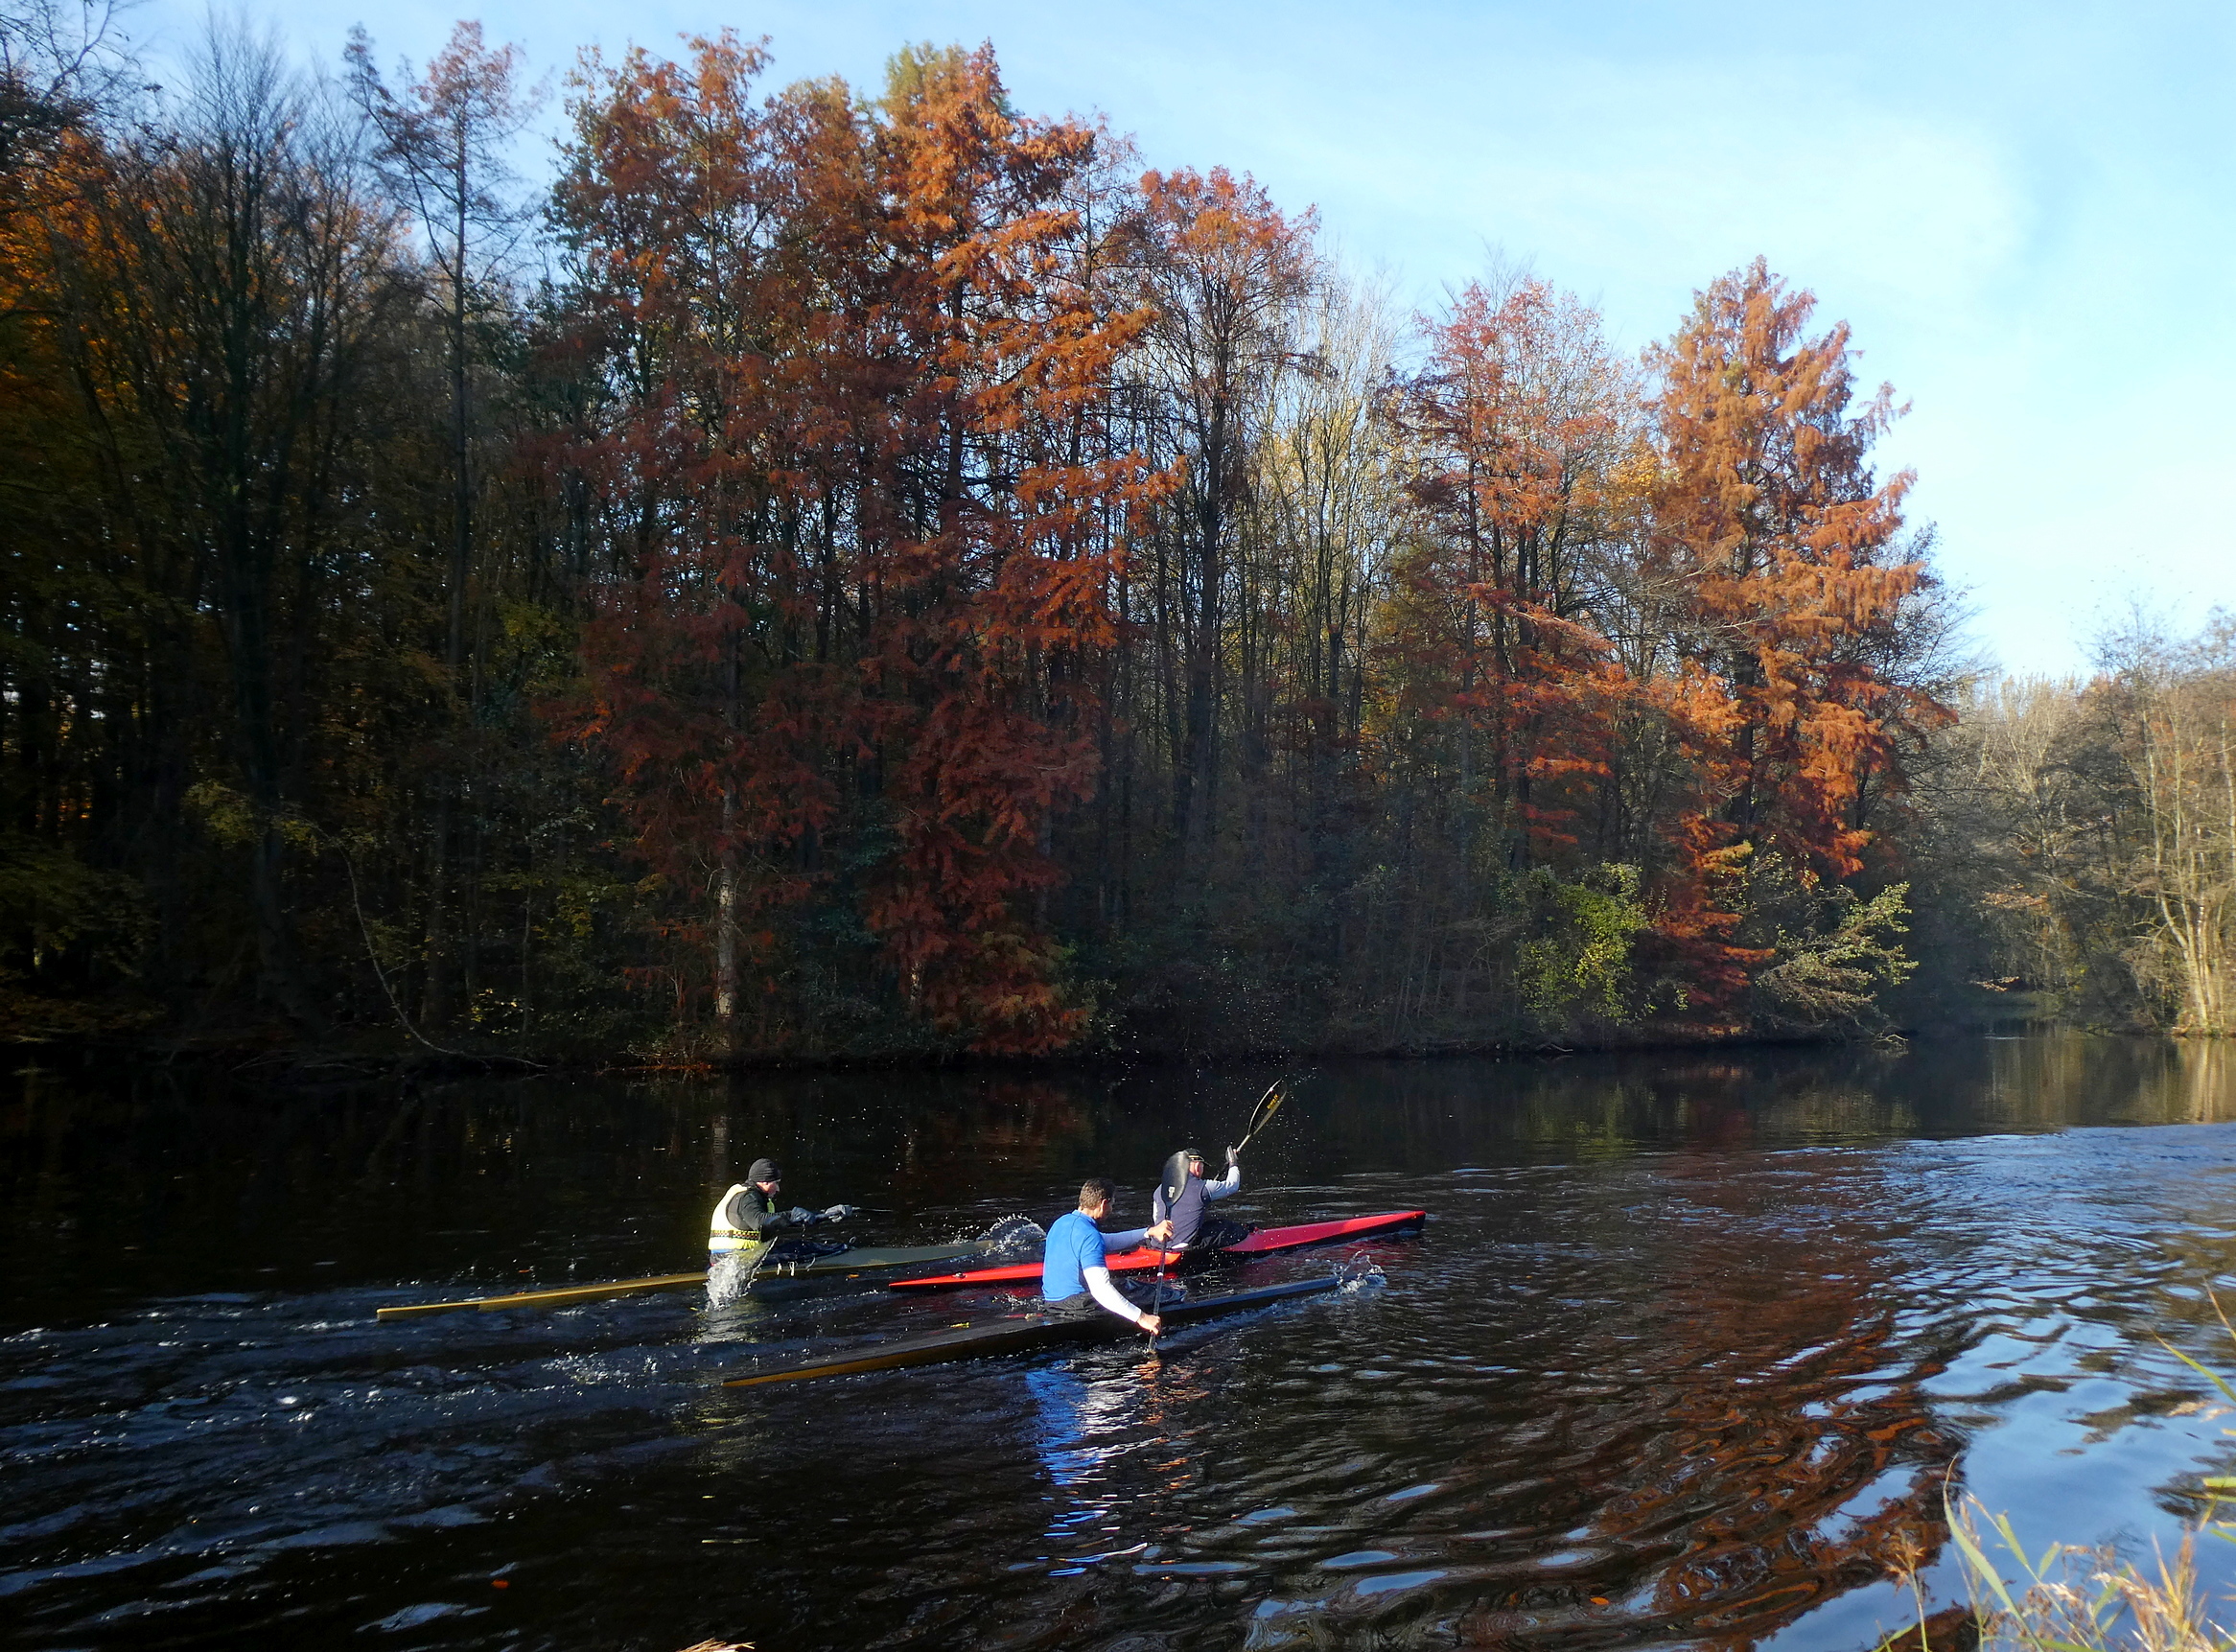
x=827, y=574
x=283, y=1053
x=2095, y=1597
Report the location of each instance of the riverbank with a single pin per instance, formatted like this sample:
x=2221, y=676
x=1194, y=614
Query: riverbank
x=282, y=1052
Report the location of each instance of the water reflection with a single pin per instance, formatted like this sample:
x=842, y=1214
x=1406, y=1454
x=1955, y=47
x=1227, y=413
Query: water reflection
x=1688, y=1357
x=1082, y=1425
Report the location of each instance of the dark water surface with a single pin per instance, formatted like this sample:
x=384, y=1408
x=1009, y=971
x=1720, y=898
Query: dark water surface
x=1685, y=1358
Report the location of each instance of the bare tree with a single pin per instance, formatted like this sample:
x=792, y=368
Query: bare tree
x=60, y=61
x=220, y=305
x=1229, y=277
x=2185, y=762
x=441, y=146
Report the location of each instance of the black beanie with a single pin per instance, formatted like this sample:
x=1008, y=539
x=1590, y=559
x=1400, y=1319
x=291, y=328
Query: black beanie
x=764, y=1169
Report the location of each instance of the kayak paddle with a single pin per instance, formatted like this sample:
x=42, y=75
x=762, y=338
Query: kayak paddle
x=1176, y=1174
x=1262, y=1114
x=1173, y=1184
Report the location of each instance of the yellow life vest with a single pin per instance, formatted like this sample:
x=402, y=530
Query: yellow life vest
x=724, y=1234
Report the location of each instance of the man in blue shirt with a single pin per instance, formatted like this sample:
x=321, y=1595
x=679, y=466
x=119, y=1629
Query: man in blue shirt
x=1073, y=1276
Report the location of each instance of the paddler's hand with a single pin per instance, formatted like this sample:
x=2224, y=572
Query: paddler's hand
x=838, y=1213
x=1161, y=1232
x=801, y=1216
x=1233, y=1158
x=1149, y=1323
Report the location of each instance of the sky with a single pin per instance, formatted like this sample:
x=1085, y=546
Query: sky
x=2025, y=212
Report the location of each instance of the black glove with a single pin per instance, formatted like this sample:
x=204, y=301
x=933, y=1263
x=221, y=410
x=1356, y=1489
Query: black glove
x=801, y=1216
x=838, y=1213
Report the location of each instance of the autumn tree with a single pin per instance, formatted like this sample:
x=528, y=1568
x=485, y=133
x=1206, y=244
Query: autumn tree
x=1002, y=554
x=1226, y=276
x=988, y=596
x=62, y=63
x=57, y=622
x=862, y=506
x=1794, y=689
x=1513, y=430
x=221, y=301
x=671, y=210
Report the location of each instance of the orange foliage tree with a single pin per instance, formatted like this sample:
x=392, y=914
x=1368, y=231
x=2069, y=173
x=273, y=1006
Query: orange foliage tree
x=1510, y=429
x=709, y=687
x=1797, y=585
x=854, y=453
x=884, y=479
x=1004, y=509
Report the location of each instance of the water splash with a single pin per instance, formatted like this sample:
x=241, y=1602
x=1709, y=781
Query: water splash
x=1014, y=1239
x=727, y=1277
x=1360, y=1272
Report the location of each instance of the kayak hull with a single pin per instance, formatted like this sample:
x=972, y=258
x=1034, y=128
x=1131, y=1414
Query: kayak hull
x=1265, y=1241
x=862, y=1258
x=1016, y=1334
x=858, y=1260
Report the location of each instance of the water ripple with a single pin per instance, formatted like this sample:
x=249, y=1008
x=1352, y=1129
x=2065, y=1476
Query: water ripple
x=1688, y=1357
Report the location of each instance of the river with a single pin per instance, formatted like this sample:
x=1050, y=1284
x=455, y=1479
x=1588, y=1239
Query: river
x=1687, y=1356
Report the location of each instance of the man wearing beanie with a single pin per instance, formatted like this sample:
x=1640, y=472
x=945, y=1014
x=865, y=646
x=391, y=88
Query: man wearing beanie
x=748, y=1214
x=1194, y=1227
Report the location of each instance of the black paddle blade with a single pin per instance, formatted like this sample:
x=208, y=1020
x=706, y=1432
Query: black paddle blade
x=1267, y=1106
x=1176, y=1178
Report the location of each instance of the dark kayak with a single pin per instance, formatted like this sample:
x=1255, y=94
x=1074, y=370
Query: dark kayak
x=858, y=1259
x=1264, y=1242
x=1015, y=1334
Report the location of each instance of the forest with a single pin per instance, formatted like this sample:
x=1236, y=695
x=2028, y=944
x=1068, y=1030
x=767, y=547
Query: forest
x=822, y=572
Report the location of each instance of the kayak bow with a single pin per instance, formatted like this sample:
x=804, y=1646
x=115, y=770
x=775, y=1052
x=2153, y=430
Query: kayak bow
x=1015, y=1334
x=558, y=1298
x=1261, y=1243
x=857, y=1260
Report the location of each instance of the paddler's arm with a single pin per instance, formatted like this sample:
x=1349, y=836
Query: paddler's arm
x=1100, y=1287
x=1230, y=1182
x=775, y=1221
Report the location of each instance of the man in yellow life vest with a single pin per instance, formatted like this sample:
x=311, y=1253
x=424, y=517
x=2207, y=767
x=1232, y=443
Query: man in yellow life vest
x=749, y=1215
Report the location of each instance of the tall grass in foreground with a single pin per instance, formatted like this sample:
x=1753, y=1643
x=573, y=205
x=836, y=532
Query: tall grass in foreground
x=2069, y=1599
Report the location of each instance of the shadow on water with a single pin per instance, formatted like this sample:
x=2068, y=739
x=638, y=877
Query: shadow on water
x=1688, y=1355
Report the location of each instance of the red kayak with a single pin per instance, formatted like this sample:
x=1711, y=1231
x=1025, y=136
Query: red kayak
x=1263, y=1241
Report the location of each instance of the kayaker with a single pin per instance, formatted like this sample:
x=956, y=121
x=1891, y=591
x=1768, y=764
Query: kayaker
x=1074, y=1278
x=748, y=1214
x=1194, y=1228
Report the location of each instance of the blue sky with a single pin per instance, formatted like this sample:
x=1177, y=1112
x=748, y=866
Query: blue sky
x=2027, y=212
